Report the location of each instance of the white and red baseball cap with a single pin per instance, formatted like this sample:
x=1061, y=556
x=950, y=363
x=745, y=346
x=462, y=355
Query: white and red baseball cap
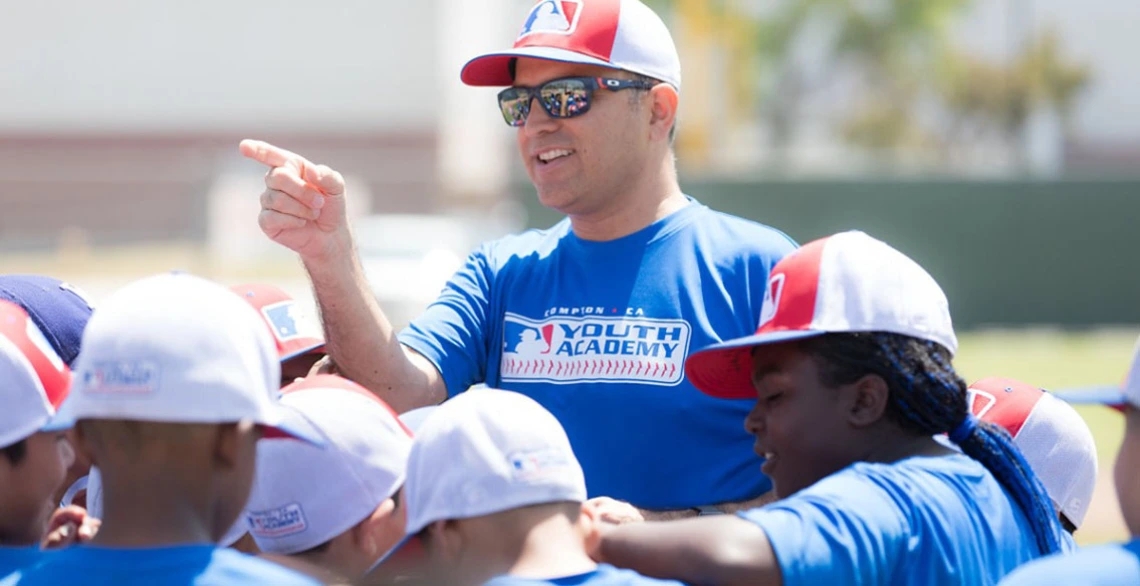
x=294, y=330
x=35, y=377
x=1054, y=439
x=848, y=282
x=304, y=496
x=179, y=349
x=620, y=34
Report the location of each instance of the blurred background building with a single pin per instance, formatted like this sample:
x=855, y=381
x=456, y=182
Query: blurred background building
x=996, y=141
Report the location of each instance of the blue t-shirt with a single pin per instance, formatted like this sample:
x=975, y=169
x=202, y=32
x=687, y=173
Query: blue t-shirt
x=197, y=565
x=598, y=332
x=922, y=520
x=605, y=575
x=13, y=559
x=1105, y=565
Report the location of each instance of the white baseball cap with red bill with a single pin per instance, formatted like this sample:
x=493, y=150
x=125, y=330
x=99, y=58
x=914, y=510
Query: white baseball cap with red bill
x=177, y=348
x=35, y=378
x=1054, y=439
x=304, y=496
x=619, y=34
x=848, y=282
x=294, y=330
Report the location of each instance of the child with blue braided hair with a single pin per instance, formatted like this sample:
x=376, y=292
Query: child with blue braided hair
x=851, y=375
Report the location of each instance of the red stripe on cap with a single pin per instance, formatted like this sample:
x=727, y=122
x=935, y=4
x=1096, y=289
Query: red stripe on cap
x=14, y=325
x=594, y=22
x=792, y=290
x=332, y=381
x=1004, y=401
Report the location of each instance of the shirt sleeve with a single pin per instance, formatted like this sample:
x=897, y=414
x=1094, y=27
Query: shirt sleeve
x=842, y=530
x=453, y=331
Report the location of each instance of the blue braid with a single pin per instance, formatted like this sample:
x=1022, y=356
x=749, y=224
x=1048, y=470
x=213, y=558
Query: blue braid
x=941, y=407
x=994, y=448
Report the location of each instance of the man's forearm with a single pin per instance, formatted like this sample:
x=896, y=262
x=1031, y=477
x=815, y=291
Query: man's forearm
x=737, y=506
x=728, y=508
x=361, y=340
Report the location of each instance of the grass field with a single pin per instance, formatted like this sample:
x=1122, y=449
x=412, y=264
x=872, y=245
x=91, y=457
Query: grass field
x=1054, y=360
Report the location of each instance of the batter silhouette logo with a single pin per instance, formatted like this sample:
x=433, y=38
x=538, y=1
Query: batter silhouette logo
x=771, y=299
x=980, y=402
x=559, y=17
x=568, y=350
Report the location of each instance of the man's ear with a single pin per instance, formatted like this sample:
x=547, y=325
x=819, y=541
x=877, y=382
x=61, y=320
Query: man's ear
x=664, y=103
x=869, y=396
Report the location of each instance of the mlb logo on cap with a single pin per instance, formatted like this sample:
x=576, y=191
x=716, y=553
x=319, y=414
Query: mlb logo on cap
x=284, y=325
x=848, y=282
x=619, y=34
x=553, y=17
x=293, y=329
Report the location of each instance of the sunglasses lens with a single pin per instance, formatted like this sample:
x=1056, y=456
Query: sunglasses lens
x=565, y=98
x=515, y=104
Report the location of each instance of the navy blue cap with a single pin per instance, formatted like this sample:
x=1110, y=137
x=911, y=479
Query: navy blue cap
x=57, y=309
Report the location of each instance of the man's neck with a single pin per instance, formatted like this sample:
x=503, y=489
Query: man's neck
x=648, y=200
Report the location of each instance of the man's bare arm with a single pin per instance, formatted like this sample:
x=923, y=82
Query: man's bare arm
x=730, y=508
x=725, y=551
x=362, y=342
x=737, y=506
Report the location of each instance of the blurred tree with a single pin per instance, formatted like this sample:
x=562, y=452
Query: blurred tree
x=895, y=60
x=993, y=101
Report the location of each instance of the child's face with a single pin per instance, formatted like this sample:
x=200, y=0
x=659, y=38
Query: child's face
x=28, y=487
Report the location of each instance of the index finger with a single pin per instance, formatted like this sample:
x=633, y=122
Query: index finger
x=267, y=154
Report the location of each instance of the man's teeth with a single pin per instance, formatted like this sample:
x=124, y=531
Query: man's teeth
x=769, y=455
x=551, y=155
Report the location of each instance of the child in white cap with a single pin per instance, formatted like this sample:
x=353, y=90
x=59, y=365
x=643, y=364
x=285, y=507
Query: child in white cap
x=174, y=385
x=495, y=495
x=332, y=508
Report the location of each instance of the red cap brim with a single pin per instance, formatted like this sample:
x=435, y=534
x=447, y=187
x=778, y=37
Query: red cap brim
x=725, y=370
x=494, y=69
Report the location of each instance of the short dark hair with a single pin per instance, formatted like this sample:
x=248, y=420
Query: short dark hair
x=16, y=452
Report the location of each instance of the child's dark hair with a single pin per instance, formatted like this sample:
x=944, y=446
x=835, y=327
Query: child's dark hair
x=927, y=397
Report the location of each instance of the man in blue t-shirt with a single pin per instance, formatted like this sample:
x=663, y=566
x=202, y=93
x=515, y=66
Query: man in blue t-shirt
x=494, y=495
x=592, y=318
x=174, y=385
x=33, y=462
x=1106, y=565
x=851, y=378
